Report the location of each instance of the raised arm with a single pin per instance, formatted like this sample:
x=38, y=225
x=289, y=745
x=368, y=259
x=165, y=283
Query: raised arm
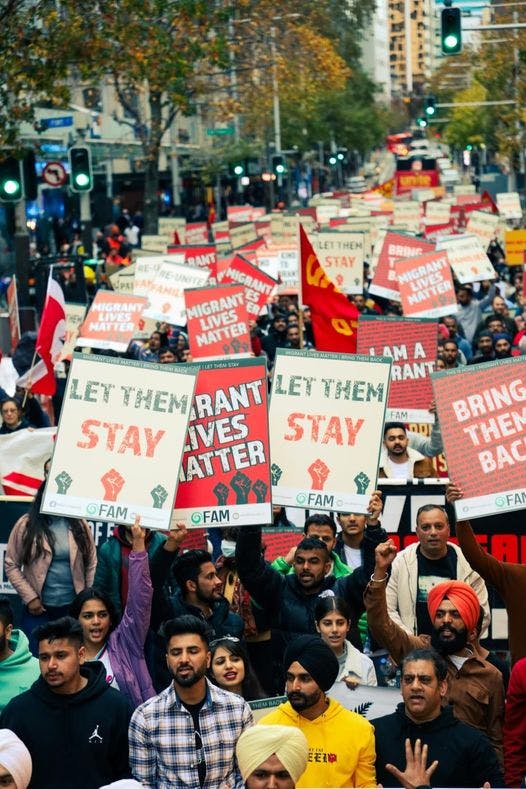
x=261, y=581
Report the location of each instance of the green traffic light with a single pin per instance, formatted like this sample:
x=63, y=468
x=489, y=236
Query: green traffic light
x=451, y=41
x=332, y=160
x=430, y=110
x=280, y=169
x=82, y=179
x=238, y=169
x=11, y=187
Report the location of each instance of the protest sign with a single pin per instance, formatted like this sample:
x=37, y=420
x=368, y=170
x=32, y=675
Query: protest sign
x=437, y=212
x=145, y=270
x=412, y=345
x=166, y=294
x=119, y=443
x=259, y=287
x=168, y=225
x=394, y=246
x=155, y=243
x=267, y=260
x=322, y=458
x=12, y=312
x=242, y=234
x=217, y=322
x=434, y=232
x=123, y=281
x=341, y=256
x=515, y=245
x=426, y=285
x=74, y=317
x=407, y=214
x=199, y=255
x=112, y=321
x=243, y=213
x=467, y=258
x=370, y=701
x=196, y=233
x=225, y=475
x=482, y=417
x=483, y=225
x=509, y=205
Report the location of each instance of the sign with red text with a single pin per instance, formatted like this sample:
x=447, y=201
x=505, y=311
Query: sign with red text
x=481, y=412
x=259, y=287
x=196, y=233
x=437, y=212
x=484, y=225
x=326, y=418
x=406, y=214
x=341, y=256
x=13, y=315
x=394, y=247
x=426, y=285
x=217, y=321
x=467, y=258
x=412, y=345
x=166, y=294
x=225, y=474
x=509, y=205
x=74, y=319
x=120, y=441
x=112, y=321
x=145, y=270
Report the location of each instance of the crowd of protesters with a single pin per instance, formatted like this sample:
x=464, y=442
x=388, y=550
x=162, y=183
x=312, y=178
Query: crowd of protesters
x=138, y=665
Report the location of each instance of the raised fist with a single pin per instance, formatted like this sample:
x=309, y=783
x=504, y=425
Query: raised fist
x=361, y=480
x=63, y=481
x=221, y=492
x=159, y=496
x=260, y=489
x=319, y=471
x=240, y=484
x=113, y=483
x=275, y=473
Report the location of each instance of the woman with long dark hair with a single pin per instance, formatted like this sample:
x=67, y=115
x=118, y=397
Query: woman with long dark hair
x=49, y=559
x=230, y=669
x=120, y=645
x=333, y=622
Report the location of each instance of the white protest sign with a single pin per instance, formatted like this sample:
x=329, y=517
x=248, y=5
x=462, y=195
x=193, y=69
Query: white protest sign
x=146, y=268
x=326, y=419
x=406, y=214
x=74, y=318
x=120, y=442
x=484, y=226
x=437, y=212
x=467, y=258
x=166, y=295
x=156, y=243
x=509, y=205
x=341, y=256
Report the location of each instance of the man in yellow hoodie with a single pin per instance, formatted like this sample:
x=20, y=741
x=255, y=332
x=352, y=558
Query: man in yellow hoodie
x=341, y=743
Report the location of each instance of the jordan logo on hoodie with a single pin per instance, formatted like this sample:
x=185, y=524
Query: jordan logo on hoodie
x=95, y=737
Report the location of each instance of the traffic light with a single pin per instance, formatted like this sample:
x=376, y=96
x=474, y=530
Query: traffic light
x=11, y=183
x=430, y=106
x=81, y=176
x=278, y=164
x=451, y=31
x=237, y=169
x=422, y=122
x=332, y=160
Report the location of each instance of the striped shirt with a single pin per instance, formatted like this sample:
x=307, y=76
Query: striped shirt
x=163, y=743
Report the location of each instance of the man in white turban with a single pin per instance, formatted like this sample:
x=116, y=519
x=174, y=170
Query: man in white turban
x=15, y=761
x=272, y=756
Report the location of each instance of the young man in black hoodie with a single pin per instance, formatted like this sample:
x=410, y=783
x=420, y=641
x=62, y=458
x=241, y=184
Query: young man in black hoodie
x=463, y=755
x=74, y=725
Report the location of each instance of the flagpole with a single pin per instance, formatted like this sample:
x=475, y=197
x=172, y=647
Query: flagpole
x=300, y=292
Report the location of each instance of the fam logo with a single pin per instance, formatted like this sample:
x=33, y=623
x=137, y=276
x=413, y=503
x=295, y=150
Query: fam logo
x=218, y=515
x=112, y=511
x=324, y=500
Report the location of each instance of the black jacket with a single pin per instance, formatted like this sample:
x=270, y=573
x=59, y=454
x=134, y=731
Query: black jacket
x=282, y=597
x=77, y=741
x=465, y=755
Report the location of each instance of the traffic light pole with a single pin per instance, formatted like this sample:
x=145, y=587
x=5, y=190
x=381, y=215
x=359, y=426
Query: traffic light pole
x=22, y=254
x=85, y=223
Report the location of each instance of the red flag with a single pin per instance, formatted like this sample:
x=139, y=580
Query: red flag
x=50, y=339
x=334, y=318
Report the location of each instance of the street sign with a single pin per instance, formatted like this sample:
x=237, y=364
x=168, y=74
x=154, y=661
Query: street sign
x=54, y=174
x=55, y=123
x=220, y=132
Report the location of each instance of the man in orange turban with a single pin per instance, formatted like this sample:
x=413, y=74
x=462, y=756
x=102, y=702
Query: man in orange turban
x=454, y=609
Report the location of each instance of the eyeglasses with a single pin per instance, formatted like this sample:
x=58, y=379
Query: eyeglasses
x=217, y=641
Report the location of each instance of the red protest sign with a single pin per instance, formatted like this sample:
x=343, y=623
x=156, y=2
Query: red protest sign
x=481, y=411
x=259, y=287
x=394, y=247
x=200, y=255
x=217, y=322
x=196, y=233
x=112, y=321
x=225, y=475
x=426, y=285
x=412, y=345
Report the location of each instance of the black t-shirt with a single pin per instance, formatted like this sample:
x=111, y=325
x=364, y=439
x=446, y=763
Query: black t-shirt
x=430, y=573
x=194, y=709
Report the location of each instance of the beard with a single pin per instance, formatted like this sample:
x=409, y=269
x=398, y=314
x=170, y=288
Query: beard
x=450, y=645
x=189, y=679
x=303, y=701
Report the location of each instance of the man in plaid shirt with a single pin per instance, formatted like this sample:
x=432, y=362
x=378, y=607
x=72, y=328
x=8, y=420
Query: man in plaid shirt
x=186, y=736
